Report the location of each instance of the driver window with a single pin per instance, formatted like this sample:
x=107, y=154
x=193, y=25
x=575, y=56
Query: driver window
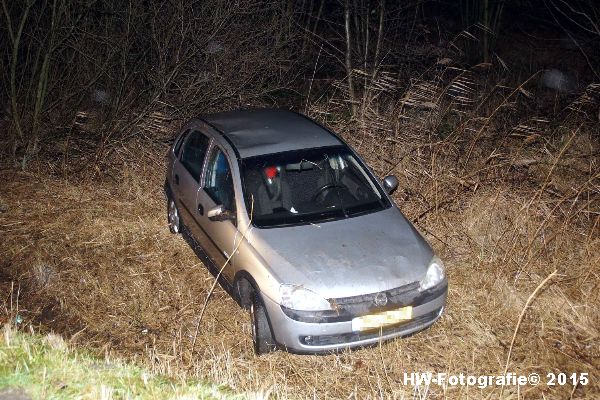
x=219, y=183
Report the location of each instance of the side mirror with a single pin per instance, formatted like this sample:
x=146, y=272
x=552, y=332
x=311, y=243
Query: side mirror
x=390, y=184
x=219, y=213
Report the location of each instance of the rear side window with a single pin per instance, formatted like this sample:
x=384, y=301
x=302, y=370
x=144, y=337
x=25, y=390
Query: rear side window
x=179, y=142
x=194, y=151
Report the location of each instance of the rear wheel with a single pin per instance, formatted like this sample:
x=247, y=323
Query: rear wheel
x=173, y=216
x=262, y=337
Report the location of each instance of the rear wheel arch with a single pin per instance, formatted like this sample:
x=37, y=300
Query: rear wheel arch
x=173, y=215
x=168, y=191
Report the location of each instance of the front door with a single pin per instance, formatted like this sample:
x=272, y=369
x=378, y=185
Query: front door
x=218, y=190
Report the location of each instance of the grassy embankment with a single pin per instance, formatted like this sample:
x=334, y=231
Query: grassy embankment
x=45, y=367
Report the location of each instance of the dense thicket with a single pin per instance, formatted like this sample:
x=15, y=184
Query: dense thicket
x=123, y=60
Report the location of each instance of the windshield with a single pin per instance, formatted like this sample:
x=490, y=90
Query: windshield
x=308, y=186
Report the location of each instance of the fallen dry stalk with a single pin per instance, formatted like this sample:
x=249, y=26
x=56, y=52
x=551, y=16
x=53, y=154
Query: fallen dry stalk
x=216, y=280
x=527, y=304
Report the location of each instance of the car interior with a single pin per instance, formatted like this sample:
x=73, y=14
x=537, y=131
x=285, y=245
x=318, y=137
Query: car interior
x=308, y=185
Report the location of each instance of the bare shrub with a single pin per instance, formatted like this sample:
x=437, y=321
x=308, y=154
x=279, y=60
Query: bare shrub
x=104, y=67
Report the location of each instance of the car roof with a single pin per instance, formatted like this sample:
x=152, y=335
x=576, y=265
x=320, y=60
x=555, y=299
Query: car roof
x=266, y=131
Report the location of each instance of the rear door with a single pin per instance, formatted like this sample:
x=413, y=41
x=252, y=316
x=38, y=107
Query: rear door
x=187, y=175
x=173, y=155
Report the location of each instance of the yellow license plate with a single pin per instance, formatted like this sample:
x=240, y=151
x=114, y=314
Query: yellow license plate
x=381, y=319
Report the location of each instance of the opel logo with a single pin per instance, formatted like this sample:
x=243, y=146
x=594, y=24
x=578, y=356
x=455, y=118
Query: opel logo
x=380, y=299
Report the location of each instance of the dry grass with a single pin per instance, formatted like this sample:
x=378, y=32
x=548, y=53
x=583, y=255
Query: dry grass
x=89, y=255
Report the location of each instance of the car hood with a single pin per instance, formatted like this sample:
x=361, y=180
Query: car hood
x=349, y=257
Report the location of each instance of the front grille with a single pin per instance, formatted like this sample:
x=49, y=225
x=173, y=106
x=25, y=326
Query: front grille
x=397, y=295
x=348, y=338
x=346, y=308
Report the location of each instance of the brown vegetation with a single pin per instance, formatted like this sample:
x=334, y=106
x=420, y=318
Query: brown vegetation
x=93, y=260
x=500, y=174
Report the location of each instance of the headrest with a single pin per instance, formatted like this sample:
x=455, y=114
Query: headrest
x=301, y=166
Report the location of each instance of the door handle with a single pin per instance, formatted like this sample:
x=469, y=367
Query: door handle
x=176, y=179
x=200, y=209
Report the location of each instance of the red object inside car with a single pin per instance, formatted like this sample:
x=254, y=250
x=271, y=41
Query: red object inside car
x=271, y=172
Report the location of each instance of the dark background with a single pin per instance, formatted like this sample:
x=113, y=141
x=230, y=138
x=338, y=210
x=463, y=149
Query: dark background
x=183, y=58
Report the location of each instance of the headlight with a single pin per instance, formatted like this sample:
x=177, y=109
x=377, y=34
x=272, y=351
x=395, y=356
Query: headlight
x=298, y=298
x=435, y=274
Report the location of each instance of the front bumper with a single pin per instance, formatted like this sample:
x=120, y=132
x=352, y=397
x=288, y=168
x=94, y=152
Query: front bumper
x=321, y=337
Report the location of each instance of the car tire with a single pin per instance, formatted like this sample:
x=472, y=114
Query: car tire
x=173, y=216
x=262, y=337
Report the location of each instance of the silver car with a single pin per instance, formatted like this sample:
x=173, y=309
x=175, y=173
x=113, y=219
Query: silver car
x=300, y=232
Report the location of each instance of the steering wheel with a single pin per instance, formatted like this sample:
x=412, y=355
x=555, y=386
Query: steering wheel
x=326, y=188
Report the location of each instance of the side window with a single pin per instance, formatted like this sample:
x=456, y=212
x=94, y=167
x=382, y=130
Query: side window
x=179, y=142
x=194, y=151
x=219, y=183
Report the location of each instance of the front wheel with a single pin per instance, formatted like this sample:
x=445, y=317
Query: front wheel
x=262, y=337
x=173, y=216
